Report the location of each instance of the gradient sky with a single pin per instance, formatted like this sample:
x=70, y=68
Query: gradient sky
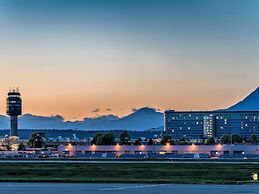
x=85, y=58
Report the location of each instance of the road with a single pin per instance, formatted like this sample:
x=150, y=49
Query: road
x=68, y=188
x=130, y=161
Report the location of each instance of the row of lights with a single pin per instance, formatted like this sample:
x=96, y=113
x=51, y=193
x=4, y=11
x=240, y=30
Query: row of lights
x=118, y=145
x=167, y=145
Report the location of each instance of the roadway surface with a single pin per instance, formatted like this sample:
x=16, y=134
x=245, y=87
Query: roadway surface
x=68, y=188
x=131, y=161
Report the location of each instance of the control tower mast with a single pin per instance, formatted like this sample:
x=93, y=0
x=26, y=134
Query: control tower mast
x=14, y=109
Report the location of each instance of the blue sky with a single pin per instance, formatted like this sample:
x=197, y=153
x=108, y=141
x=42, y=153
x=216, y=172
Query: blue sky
x=77, y=56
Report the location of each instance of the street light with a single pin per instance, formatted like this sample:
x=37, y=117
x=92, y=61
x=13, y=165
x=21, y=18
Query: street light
x=255, y=176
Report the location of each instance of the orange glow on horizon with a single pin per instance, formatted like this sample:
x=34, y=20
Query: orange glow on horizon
x=74, y=106
x=85, y=66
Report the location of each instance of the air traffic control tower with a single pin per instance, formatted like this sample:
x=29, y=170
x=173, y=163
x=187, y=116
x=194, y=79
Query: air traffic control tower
x=14, y=109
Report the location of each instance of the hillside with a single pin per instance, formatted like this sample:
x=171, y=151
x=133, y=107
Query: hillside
x=251, y=102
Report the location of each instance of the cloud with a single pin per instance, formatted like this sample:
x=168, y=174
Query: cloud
x=108, y=109
x=96, y=110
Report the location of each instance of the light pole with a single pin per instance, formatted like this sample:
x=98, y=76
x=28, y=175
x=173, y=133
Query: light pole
x=231, y=144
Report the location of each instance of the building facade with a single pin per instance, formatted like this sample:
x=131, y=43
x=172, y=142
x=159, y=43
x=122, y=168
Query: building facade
x=174, y=151
x=205, y=124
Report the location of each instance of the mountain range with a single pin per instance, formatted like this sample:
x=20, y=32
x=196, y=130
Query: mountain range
x=141, y=119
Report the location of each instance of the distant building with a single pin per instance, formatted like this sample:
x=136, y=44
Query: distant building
x=240, y=151
x=14, y=109
x=205, y=124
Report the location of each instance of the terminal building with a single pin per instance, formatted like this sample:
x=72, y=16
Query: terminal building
x=161, y=151
x=205, y=124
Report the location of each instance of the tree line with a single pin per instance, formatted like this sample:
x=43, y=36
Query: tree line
x=37, y=140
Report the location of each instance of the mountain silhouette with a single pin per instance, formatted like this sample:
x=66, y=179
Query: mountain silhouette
x=251, y=102
x=144, y=118
x=141, y=119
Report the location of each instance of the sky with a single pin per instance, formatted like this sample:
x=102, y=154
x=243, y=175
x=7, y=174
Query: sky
x=84, y=58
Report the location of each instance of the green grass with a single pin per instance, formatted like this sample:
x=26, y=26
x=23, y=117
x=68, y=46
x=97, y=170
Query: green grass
x=129, y=173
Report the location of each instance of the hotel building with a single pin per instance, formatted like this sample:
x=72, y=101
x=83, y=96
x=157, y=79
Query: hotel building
x=205, y=124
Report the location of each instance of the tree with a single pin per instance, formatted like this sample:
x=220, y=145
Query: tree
x=253, y=139
x=166, y=138
x=96, y=136
x=210, y=141
x=21, y=147
x=203, y=141
x=8, y=146
x=236, y=138
x=124, y=138
x=232, y=138
x=106, y=139
x=184, y=141
x=245, y=140
x=36, y=140
x=225, y=139
x=150, y=142
x=137, y=142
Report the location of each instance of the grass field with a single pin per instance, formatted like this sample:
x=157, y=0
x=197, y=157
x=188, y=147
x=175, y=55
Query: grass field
x=127, y=173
